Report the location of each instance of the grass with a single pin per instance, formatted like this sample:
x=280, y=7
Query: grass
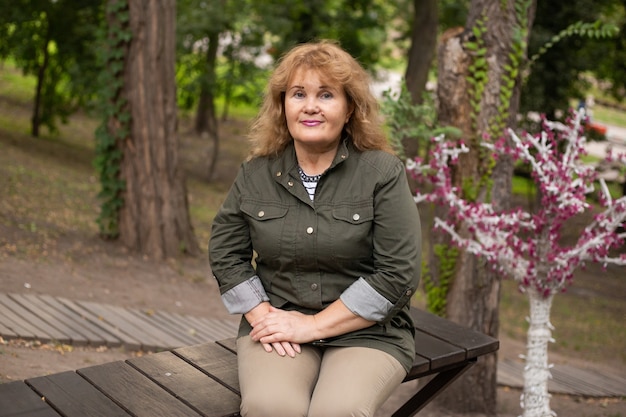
x=587, y=326
x=48, y=191
x=609, y=115
x=14, y=85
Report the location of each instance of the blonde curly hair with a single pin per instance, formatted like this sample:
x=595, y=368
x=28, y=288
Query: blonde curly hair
x=269, y=134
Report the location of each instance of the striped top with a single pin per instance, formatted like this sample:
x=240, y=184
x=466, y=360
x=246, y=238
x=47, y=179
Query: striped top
x=309, y=182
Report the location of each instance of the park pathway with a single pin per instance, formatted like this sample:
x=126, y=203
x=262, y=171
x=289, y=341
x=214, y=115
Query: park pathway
x=84, y=323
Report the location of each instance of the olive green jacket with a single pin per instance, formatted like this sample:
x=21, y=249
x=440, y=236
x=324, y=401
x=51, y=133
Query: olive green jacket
x=361, y=231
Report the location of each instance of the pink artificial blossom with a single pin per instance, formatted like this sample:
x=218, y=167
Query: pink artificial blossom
x=522, y=243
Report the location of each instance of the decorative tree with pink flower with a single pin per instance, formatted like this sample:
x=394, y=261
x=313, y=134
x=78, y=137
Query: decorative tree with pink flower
x=527, y=246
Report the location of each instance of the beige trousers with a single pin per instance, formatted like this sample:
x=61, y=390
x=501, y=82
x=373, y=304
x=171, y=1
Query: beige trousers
x=319, y=382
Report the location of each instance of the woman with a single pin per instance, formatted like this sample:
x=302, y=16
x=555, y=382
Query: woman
x=318, y=246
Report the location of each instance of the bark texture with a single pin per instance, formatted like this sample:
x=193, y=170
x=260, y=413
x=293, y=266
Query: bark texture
x=154, y=218
x=206, y=118
x=473, y=296
x=421, y=53
x=423, y=46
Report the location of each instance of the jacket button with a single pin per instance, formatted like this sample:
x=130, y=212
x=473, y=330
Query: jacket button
x=408, y=292
x=278, y=174
x=261, y=213
x=290, y=183
x=313, y=287
x=356, y=216
x=309, y=230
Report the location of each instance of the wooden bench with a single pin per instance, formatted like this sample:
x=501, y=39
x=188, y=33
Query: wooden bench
x=201, y=380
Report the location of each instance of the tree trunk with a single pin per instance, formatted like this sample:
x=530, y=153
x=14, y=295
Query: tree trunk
x=474, y=290
x=154, y=218
x=206, y=118
x=536, y=399
x=423, y=44
x=41, y=79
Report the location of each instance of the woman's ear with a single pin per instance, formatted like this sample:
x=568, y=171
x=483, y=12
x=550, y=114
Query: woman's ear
x=350, y=111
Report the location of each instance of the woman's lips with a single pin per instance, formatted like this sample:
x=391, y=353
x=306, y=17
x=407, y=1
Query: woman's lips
x=311, y=123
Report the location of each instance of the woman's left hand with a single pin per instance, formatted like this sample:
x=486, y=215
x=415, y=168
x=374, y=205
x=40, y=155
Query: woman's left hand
x=284, y=326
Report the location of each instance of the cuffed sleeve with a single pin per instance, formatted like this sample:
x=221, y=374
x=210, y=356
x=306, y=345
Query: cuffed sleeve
x=245, y=296
x=365, y=301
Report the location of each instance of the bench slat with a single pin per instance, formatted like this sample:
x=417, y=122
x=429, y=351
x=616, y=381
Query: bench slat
x=134, y=391
x=17, y=400
x=69, y=392
x=474, y=342
x=194, y=388
x=214, y=360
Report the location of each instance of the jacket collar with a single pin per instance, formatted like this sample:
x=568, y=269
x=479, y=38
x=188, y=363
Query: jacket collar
x=287, y=162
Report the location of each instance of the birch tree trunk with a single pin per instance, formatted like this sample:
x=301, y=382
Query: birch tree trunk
x=535, y=398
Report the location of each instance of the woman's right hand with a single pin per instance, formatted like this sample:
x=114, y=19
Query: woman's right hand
x=282, y=348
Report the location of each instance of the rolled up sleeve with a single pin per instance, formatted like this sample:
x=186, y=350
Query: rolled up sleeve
x=245, y=296
x=363, y=300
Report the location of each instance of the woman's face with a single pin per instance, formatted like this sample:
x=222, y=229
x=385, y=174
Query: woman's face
x=316, y=111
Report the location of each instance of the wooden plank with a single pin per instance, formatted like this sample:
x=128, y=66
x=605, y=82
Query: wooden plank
x=213, y=330
x=48, y=331
x=566, y=380
x=510, y=373
x=196, y=389
x=18, y=400
x=586, y=382
x=441, y=354
x=135, y=392
x=49, y=315
x=221, y=329
x=151, y=338
x=7, y=332
x=474, y=342
x=129, y=341
x=230, y=344
x=213, y=360
x=74, y=396
x=178, y=321
x=20, y=325
x=182, y=334
x=421, y=366
x=96, y=334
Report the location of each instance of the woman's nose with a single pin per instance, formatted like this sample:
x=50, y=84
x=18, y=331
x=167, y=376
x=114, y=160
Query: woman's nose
x=310, y=106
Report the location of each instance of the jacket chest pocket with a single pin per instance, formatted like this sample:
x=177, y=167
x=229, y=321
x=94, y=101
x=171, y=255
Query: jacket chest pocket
x=267, y=226
x=352, y=231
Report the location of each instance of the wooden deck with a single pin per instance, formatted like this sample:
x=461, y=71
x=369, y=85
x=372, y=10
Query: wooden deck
x=82, y=323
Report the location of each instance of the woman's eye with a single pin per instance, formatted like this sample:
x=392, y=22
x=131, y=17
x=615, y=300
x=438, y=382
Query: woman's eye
x=298, y=94
x=326, y=95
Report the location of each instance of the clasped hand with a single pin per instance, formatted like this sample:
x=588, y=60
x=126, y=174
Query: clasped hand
x=283, y=331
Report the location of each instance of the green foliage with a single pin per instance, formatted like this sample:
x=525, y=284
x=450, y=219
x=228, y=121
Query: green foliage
x=116, y=118
x=478, y=70
x=406, y=120
x=359, y=25
x=437, y=290
x=53, y=41
x=560, y=56
x=235, y=77
x=597, y=30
